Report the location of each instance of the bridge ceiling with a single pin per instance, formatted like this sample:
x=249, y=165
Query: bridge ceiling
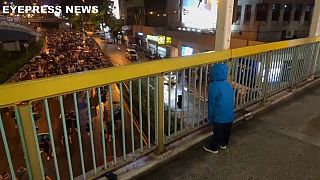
x=9, y=35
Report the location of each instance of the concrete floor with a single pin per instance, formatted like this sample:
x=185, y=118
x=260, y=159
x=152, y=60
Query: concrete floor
x=280, y=144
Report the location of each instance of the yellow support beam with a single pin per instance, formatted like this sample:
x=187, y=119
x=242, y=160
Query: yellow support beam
x=31, y=142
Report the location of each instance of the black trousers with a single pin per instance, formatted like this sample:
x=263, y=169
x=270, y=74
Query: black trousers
x=221, y=134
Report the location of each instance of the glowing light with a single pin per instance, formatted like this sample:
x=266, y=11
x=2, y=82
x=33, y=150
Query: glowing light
x=116, y=9
x=186, y=51
x=206, y=11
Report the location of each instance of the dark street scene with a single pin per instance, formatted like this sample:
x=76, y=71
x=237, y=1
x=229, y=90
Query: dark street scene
x=159, y=89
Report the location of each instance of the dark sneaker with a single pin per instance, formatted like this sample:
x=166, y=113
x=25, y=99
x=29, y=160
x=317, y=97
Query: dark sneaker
x=209, y=149
x=223, y=147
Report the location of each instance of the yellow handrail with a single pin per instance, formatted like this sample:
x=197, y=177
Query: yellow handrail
x=47, y=87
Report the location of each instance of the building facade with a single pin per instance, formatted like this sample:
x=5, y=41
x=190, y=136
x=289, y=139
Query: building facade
x=271, y=20
x=183, y=27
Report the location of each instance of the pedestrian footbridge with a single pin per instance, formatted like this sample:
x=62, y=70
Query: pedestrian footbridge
x=15, y=31
x=135, y=118
x=282, y=143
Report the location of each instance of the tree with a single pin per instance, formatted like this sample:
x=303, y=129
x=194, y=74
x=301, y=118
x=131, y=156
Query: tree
x=106, y=15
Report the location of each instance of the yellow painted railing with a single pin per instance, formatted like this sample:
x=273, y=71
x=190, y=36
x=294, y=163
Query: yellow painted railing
x=47, y=87
x=249, y=69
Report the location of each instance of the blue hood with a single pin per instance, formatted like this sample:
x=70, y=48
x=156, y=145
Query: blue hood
x=221, y=96
x=219, y=72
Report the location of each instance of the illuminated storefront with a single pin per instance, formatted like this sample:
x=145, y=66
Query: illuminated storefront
x=159, y=44
x=186, y=51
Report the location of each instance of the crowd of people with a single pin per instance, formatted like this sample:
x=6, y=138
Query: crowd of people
x=66, y=52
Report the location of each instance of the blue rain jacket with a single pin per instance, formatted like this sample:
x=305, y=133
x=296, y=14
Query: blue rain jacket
x=220, y=100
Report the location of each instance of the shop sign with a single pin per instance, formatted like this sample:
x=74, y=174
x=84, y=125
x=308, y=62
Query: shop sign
x=152, y=38
x=161, y=40
x=168, y=40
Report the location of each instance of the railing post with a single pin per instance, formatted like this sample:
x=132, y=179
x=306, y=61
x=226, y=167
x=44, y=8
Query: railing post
x=295, y=64
x=315, y=59
x=160, y=114
x=266, y=77
x=30, y=135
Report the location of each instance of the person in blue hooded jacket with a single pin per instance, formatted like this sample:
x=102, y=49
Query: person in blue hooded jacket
x=220, y=107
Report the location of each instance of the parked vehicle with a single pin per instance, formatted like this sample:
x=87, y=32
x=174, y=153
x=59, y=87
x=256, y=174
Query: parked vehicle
x=131, y=54
x=167, y=77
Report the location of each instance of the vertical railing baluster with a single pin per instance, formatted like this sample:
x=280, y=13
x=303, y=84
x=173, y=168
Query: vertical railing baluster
x=140, y=117
x=75, y=101
x=52, y=139
x=194, y=96
x=260, y=77
x=189, y=89
x=205, y=92
x=124, y=151
x=91, y=133
x=250, y=81
x=237, y=82
x=102, y=129
x=183, y=99
x=6, y=148
x=65, y=134
x=169, y=106
x=246, y=79
x=242, y=83
x=266, y=79
x=112, y=125
x=148, y=111
x=200, y=89
x=175, y=103
x=131, y=120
